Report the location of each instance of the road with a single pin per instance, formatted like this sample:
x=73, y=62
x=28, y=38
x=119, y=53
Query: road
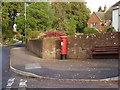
x=12, y=80
x=5, y=56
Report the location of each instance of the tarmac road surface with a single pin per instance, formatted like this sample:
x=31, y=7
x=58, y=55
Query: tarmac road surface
x=12, y=80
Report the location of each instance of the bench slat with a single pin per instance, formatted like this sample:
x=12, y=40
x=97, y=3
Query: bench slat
x=107, y=46
x=104, y=52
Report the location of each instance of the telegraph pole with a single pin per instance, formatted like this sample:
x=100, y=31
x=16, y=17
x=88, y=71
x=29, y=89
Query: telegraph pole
x=25, y=20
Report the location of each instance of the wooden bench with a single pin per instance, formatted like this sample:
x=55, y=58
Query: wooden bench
x=106, y=49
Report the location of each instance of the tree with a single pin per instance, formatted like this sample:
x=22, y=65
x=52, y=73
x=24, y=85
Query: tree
x=9, y=13
x=60, y=19
x=39, y=17
x=62, y=16
x=100, y=9
x=81, y=14
x=20, y=21
x=71, y=27
x=75, y=11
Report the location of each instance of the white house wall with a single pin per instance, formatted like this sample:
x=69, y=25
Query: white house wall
x=115, y=19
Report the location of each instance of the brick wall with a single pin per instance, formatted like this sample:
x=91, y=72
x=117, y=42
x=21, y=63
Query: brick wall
x=94, y=19
x=78, y=47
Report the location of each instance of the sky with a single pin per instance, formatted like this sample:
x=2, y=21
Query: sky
x=94, y=4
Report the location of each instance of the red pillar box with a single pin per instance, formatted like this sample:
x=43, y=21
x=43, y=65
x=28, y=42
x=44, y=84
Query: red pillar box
x=63, y=47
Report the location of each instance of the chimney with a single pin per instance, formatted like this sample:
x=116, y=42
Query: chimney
x=105, y=8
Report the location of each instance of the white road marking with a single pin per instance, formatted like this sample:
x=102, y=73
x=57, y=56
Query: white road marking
x=33, y=66
x=10, y=82
x=23, y=83
x=11, y=79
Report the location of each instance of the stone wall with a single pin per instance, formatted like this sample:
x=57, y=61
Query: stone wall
x=78, y=47
x=51, y=48
x=47, y=48
x=35, y=46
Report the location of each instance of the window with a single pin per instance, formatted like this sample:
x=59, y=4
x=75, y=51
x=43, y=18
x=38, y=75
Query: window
x=94, y=25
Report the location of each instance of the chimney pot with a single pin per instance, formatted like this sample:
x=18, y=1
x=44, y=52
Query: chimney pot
x=105, y=8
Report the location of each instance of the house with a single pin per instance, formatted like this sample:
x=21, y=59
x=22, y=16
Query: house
x=116, y=16
x=100, y=20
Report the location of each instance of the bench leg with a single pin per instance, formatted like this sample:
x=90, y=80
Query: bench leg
x=91, y=56
x=119, y=55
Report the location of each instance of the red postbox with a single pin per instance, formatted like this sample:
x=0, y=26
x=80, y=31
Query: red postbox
x=63, y=47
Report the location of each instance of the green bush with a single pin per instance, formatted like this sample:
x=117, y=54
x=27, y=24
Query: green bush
x=88, y=30
x=33, y=34
x=21, y=38
x=111, y=29
x=13, y=41
x=71, y=27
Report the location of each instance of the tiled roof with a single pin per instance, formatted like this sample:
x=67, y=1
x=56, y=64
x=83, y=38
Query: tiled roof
x=108, y=15
x=100, y=15
x=105, y=17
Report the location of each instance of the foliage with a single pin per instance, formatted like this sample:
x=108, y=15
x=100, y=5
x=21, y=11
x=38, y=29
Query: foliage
x=21, y=38
x=9, y=13
x=39, y=17
x=0, y=23
x=80, y=13
x=65, y=13
x=56, y=34
x=8, y=42
x=32, y=34
x=13, y=41
x=71, y=27
x=8, y=34
x=59, y=23
x=111, y=29
x=20, y=21
x=88, y=30
x=100, y=9
x=42, y=16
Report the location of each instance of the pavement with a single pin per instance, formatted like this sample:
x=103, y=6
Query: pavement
x=26, y=63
